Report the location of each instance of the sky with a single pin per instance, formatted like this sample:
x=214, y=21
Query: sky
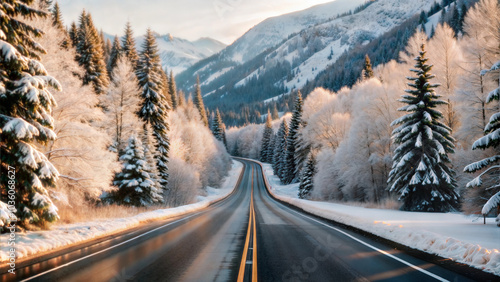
x=224, y=20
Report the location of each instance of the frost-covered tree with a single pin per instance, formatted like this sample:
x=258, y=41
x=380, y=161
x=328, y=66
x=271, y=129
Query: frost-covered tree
x=121, y=102
x=446, y=56
x=367, y=68
x=80, y=154
x=172, y=89
x=265, y=149
x=90, y=54
x=489, y=36
x=491, y=139
x=114, y=55
x=420, y=173
x=128, y=45
x=295, y=124
x=218, y=127
x=198, y=101
x=26, y=104
x=134, y=182
x=153, y=108
x=280, y=150
x=306, y=181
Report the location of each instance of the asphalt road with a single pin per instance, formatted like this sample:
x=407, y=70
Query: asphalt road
x=249, y=236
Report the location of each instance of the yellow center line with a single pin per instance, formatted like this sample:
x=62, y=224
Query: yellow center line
x=254, y=252
x=241, y=274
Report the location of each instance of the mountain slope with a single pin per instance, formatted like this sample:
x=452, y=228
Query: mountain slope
x=298, y=58
x=273, y=30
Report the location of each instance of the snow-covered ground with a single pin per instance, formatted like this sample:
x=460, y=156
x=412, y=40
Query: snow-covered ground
x=31, y=243
x=456, y=236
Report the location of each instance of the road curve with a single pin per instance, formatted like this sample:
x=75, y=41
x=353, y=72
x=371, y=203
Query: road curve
x=249, y=236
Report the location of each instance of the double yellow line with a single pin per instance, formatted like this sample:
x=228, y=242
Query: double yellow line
x=251, y=226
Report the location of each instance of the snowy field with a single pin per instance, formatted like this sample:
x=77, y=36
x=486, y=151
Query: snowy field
x=456, y=236
x=31, y=243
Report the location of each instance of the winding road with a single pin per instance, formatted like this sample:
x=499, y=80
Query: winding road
x=249, y=236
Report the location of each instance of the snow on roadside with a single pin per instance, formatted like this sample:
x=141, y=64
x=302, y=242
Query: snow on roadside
x=456, y=236
x=31, y=243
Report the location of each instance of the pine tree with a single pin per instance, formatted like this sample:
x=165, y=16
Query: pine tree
x=280, y=150
x=57, y=17
x=134, y=182
x=57, y=21
x=275, y=115
x=25, y=118
x=218, y=127
x=90, y=54
x=295, y=124
x=128, y=45
x=306, y=182
x=181, y=101
x=165, y=88
x=265, y=149
x=367, y=69
x=154, y=109
x=73, y=34
x=198, y=101
x=172, y=89
x=114, y=55
x=420, y=173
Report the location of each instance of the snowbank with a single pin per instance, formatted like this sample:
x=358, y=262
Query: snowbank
x=461, y=238
x=31, y=243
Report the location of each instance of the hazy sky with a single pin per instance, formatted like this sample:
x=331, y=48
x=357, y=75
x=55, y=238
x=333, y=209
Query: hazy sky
x=224, y=20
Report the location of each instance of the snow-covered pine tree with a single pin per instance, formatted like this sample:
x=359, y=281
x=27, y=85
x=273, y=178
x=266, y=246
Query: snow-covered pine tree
x=128, y=45
x=367, y=68
x=490, y=36
x=302, y=150
x=90, y=54
x=270, y=151
x=147, y=145
x=280, y=150
x=295, y=124
x=306, y=182
x=135, y=184
x=172, y=89
x=198, y=101
x=154, y=109
x=114, y=56
x=218, y=127
x=25, y=117
x=265, y=148
x=420, y=173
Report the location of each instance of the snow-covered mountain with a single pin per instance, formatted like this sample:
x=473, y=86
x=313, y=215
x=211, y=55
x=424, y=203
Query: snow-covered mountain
x=178, y=54
x=284, y=53
x=273, y=30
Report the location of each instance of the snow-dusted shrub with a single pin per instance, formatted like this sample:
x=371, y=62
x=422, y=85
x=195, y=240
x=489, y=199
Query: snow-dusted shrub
x=183, y=183
x=197, y=158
